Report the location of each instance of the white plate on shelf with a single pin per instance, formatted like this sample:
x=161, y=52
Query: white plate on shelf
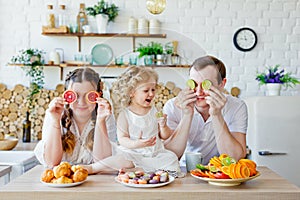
x=171, y=179
x=102, y=54
x=55, y=185
x=226, y=182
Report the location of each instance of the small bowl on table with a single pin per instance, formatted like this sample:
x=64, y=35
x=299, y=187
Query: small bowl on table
x=8, y=144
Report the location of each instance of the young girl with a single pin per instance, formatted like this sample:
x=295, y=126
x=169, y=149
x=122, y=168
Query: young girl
x=80, y=132
x=140, y=133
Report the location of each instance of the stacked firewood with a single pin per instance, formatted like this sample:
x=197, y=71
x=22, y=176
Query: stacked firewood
x=164, y=93
x=14, y=105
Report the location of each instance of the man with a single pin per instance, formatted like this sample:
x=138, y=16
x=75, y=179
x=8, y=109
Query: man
x=207, y=121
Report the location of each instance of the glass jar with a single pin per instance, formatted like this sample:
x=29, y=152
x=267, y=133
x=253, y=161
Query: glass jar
x=62, y=17
x=132, y=25
x=81, y=18
x=50, y=17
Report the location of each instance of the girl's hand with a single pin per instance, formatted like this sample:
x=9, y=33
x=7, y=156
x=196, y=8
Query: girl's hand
x=216, y=100
x=162, y=121
x=104, y=108
x=146, y=142
x=56, y=107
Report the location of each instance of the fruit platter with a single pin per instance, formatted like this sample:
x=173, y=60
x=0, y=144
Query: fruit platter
x=225, y=171
x=141, y=179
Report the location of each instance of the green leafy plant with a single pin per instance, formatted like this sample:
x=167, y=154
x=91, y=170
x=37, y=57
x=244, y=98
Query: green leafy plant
x=103, y=7
x=275, y=75
x=168, y=48
x=33, y=65
x=152, y=48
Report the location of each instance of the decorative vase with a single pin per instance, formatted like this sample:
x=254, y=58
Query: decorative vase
x=273, y=89
x=148, y=59
x=102, y=21
x=159, y=59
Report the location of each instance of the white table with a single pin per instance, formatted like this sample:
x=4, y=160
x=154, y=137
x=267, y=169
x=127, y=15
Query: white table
x=5, y=172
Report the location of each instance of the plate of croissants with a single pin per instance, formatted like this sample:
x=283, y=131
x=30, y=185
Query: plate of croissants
x=64, y=175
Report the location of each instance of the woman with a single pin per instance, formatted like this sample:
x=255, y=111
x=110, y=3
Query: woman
x=80, y=132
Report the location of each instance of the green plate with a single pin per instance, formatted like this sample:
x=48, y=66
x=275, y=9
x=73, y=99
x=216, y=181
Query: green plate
x=102, y=54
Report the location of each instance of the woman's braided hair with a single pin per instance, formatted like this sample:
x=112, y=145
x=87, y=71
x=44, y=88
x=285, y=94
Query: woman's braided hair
x=68, y=138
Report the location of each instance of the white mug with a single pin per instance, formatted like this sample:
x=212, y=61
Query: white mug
x=86, y=28
x=192, y=159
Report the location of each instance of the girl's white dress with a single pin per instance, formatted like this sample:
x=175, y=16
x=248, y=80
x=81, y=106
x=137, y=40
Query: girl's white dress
x=148, y=158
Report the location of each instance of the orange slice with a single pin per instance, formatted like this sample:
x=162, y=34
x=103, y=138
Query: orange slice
x=210, y=174
x=250, y=164
x=238, y=170
x=225, y=170
x=92, y=96
x=245, y=172
x=232, y=171
x=70, y=96
x=215, y=161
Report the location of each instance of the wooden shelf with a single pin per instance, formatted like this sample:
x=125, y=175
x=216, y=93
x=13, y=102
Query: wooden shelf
x=80, y=35
x=64, y=65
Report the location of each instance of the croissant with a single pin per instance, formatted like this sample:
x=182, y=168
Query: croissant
x=74, y=168
x=80, y=175
x=47, y=175
x=61, y=170
x=63, y=180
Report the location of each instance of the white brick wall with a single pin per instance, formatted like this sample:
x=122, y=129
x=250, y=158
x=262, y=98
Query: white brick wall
x=202, y=27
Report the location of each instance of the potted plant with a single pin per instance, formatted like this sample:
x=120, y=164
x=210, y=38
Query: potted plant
x=273, y=78
x=33, y=65
x=104, y=13
x=153, y=51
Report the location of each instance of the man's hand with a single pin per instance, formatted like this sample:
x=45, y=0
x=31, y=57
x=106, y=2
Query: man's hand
x=185, y=100
x=216, y=100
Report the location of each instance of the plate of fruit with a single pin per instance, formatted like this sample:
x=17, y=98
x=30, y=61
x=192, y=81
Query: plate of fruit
x=141, y=179
x=225, y=171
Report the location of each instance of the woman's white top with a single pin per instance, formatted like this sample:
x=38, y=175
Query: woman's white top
x=81, y=154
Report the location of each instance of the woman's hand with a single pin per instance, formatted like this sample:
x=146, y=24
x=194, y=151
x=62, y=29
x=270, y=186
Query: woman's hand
x=216, y=100
x=185, y=100
x=56, y=107
x=104, y=108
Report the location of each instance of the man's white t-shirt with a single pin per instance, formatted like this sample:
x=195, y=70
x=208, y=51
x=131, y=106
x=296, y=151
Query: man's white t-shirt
x=201, y=137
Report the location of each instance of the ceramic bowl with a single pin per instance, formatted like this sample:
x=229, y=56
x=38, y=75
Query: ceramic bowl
x=8, y=144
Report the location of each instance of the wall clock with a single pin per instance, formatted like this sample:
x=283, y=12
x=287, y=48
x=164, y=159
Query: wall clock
x=245, y=39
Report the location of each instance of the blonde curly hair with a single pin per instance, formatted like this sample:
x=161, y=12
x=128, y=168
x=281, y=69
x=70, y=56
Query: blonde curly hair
x=126, y=83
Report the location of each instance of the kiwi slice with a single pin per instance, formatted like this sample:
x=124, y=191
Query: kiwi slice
x=159, y=114
x=191, y=84
x=206, y=84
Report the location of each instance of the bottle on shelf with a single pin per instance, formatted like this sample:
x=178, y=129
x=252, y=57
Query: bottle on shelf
x=81, y=18
x=50, y=17
x=62, y=17
x=27, y=129
x=175, y=58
